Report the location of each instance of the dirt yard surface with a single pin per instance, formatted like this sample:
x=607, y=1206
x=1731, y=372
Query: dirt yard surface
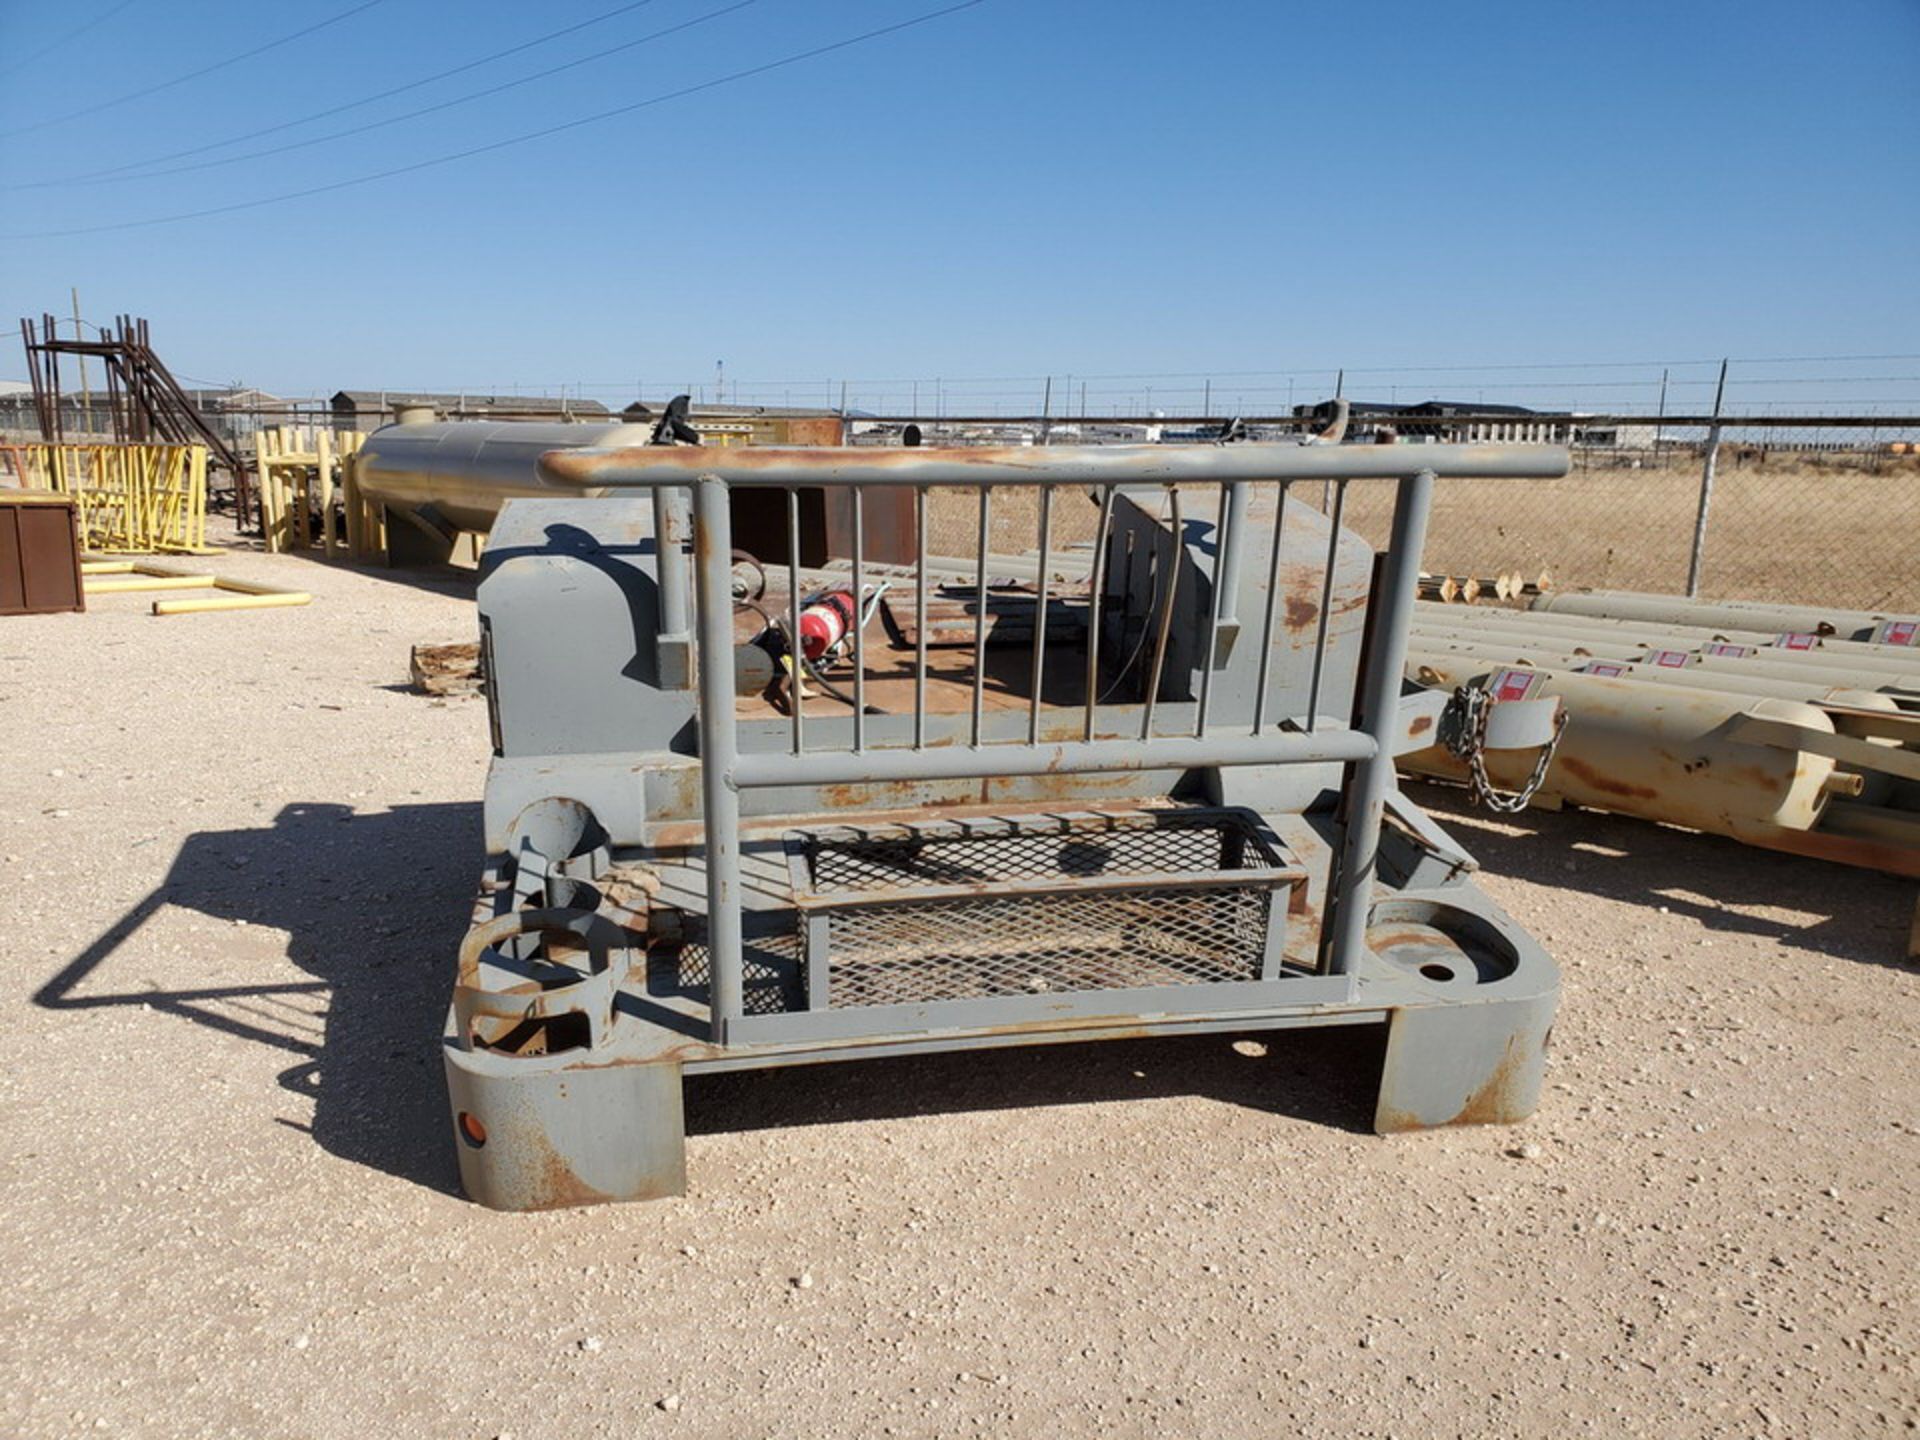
x=235, y=858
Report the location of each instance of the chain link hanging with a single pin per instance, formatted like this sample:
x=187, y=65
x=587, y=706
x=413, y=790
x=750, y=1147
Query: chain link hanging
x=1469, y=743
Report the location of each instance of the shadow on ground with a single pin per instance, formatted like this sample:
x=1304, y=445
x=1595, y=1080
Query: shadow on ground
x=1817, y=906
x=375, y=905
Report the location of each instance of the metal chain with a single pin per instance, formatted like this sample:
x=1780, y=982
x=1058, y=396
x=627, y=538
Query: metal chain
x=1469, y=742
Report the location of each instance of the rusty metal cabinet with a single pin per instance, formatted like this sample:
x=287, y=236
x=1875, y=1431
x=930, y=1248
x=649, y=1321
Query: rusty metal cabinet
x=39, y=553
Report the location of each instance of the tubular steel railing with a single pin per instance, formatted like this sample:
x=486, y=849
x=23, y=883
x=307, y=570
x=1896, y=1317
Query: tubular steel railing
x=1366, y=745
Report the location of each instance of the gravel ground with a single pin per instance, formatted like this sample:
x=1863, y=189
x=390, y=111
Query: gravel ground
x=236, y=858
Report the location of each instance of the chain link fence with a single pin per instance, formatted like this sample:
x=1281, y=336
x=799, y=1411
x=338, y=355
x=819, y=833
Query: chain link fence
x=1826, y=514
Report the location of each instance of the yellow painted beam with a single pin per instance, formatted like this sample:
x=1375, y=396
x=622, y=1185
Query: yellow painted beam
x=250, y=601
x=115, y=585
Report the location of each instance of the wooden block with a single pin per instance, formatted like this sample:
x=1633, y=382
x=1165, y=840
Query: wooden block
x=452, y=669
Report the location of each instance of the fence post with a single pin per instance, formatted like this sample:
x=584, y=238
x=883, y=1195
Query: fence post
x=1706, y=490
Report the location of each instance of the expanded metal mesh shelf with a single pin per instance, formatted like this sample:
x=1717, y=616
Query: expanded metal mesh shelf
x=997, y=850
x=770, y=968
x=1028, y=945
x=1039, y=904
x=1009, y=906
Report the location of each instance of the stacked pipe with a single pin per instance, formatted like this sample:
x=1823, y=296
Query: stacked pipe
x=1792, y=727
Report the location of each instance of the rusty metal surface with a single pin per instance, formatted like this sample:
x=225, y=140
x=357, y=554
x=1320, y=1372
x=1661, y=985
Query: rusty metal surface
x=962, y=751
x=645, y=466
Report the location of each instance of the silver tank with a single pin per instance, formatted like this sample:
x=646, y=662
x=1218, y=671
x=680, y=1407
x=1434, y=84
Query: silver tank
x=465, y=470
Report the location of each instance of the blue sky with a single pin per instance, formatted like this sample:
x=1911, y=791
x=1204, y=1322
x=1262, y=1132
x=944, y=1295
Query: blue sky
x=1014, y=190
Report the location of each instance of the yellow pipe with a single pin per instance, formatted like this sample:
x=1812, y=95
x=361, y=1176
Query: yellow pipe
x=150, y=582
x=232, y=602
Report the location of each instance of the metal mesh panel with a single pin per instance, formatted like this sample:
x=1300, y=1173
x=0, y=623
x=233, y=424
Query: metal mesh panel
x=770, y=968
x=1030, y=945
x=1034, y=848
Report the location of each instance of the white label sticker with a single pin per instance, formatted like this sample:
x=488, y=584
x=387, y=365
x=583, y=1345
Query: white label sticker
x=1513, y=684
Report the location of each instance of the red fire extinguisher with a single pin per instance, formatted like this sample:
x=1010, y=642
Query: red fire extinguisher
x=825, y=622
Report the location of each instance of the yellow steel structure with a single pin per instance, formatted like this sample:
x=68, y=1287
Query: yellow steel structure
x=135, y=499
x=302, y=475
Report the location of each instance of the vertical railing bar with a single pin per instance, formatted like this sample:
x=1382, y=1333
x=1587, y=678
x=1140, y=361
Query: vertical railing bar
x=920, y=620
x=1176, y=552
x=1357, y=863
x=1093, y=607
x=1273, y=610
x=1326, y=601
x=859, y=630
x=1219, y=594
x=1040, y=614
x=720, y=801
x=798, y=655
x=670, y=558
x=980, y=614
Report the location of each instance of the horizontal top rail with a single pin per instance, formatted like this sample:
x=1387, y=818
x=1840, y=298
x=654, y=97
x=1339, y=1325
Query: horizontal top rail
x=1159, y=752
x=647, y=466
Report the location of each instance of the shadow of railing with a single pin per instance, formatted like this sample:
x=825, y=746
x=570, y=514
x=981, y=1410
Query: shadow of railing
x=374, y=905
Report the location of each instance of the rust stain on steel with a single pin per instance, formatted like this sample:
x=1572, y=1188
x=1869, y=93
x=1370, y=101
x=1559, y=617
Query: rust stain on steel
x=1418, y=937
x=584, y=467
x=554, y=1186
x=1421, y=724
x=1844, y=849
x=1605, y=784
x=1494, y=1103
x=867, y=794
x=1763, y=778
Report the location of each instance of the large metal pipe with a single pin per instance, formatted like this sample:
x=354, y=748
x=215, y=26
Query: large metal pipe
x=1687, y=636
x=1510, y=650
x=641, y=466
x=1665, y=754
x=1677, y=609
x=1774, y=662
x=1887, y=660
x=457, y=474
x=1443, y=656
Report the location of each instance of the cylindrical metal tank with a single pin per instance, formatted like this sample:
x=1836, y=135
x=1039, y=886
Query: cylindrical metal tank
x=1444, y=654
x=1679, y=610
x=1738, y=669
x=1663, y=754
x=1780, y=663
x=460, y=472
x=1678, y=637
x=1898, y=666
